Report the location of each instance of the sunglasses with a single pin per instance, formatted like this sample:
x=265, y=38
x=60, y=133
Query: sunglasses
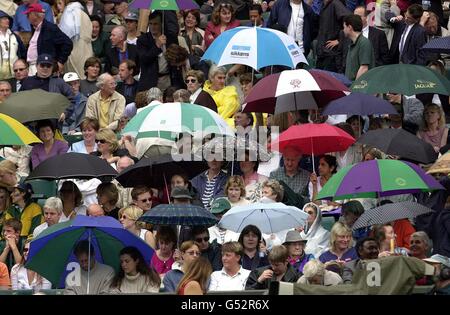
x=190, y=81
x=125, y=218
x=45, y=65
x=25, y=250
x=310, y=212
x=146, y=200
x=200, y=239
x=100, y=141
x=225, y=5
x=6, y=45
x=20, y=69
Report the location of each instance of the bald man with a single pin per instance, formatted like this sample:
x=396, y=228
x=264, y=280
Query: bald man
x=119, y=51
x=95, y=210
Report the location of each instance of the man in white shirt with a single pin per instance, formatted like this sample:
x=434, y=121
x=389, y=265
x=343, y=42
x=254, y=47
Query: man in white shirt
x=232, y=277
x=53, y=209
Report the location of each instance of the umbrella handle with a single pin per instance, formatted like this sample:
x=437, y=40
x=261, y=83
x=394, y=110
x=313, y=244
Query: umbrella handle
x=89, y=261
x=167, y=187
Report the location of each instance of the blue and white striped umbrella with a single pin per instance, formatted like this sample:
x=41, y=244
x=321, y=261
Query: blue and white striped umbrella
x=255, y=47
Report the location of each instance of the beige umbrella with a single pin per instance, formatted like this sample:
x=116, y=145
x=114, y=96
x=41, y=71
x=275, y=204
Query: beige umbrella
x=442, y=165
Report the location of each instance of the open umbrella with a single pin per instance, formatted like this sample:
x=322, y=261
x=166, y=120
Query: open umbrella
x=268, y=217
x=177, y=214
x=442, y=165
x=72, y=165
x=293, y=90
x=255, y=47
x=34, y=105
x=52, y=250
x=164, y=4
x=176, y=118
x=156, y=172
x=390, y=212
x=439, y=45
x=401, y=143
x=377, y=178
x=233, y=149
x=402, y=78
x=313, y=139
x=338, y=76
x=13, y=132
x=359, y=104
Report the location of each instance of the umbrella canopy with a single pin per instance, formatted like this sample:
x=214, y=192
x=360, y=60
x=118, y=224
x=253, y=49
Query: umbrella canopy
x=177, y=214
x=175, y=5
x=154, y=172
x=268, y=217
x=314, y=139
x=390, y=212
x=414, y=80
x=377, y=178
x=34, y=105
x=52, y=250
x=338, y=76
x=176, y=118
x=442, y=165
x=359, y=104
x=439, y=45
x=293, y=90
x=233, y=149
x=255, y=47
x=72, y=165
x=13, y=132
x=401, y=143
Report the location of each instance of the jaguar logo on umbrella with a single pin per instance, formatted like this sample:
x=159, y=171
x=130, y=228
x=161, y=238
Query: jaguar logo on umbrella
x=295, y=83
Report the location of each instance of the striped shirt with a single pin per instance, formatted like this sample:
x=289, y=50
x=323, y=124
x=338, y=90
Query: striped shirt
x=209, y=191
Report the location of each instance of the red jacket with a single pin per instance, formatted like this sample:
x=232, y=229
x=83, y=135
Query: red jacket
x=213, y=31
x=403, y=229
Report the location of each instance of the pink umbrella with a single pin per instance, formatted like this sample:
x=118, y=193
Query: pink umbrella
x=293, y=90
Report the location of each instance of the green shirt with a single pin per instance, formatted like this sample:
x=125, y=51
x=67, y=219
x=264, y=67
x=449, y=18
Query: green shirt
x=359, y=53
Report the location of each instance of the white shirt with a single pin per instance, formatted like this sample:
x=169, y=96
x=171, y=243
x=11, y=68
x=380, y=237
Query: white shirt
x=19, y=280
x=80, y=210
x=403, y=38
x=222, y=236
x=295, y=27
x=221, y=281
x=39, y=229
x=194, y=96
x=365, y=31
x=4, y=44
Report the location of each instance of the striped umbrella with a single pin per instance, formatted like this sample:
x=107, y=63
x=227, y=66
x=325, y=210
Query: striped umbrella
x=438, y=45
x=172, y=214
x=255, y=47
x=293, y=90
x=170, y=119
x=377, y=178
x=13, y=132
x=390, y=212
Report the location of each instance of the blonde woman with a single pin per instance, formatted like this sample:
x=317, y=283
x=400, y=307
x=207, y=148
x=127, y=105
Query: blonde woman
x=341, y=250
x=195, y=279
x=26, y=279
x=8, y=177
x=235, y=191
x=108, y=147
x=128, y=217
x=433, y=130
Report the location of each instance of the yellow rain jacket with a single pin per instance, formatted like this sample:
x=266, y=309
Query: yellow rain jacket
x=227, y=101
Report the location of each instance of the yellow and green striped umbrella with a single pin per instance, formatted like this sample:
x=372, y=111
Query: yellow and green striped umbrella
x=13, y=132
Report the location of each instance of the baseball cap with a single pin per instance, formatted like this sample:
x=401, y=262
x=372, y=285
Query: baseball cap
x=180, y=193
x=220, y=205
x=35, y=7
x=45, y=59
x=70, y=76
x=131, y=16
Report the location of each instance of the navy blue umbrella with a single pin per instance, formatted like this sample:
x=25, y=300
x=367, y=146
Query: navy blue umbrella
x=438, y=45
x=179, y=214
x=359, y=104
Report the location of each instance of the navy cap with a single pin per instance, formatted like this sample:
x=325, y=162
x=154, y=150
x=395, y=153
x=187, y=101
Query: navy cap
x=45, y=59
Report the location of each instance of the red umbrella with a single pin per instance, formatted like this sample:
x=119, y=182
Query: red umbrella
x=293, y=90
x=313, y=139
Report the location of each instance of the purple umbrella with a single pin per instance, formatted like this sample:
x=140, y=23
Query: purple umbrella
x=338, y=76
x=359, y=104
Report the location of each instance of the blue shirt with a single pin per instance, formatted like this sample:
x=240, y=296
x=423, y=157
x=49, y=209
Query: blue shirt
x=21, y=23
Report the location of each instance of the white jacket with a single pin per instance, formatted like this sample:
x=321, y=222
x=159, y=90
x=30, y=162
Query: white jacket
x=318, y=237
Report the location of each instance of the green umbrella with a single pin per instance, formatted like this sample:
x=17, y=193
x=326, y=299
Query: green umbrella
x=377, y=178
x=403, y=79
x=34, y=105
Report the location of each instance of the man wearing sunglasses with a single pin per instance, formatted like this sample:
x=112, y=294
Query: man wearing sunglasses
x=20, y=69
x=211, y=251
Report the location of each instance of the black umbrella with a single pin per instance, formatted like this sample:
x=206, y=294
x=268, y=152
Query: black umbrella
x=156, y=171
x=400, y=142
x=179, y=214
x=73, y=165
x=390, y=212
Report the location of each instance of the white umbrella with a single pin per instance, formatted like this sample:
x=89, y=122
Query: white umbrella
x=268, y=217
